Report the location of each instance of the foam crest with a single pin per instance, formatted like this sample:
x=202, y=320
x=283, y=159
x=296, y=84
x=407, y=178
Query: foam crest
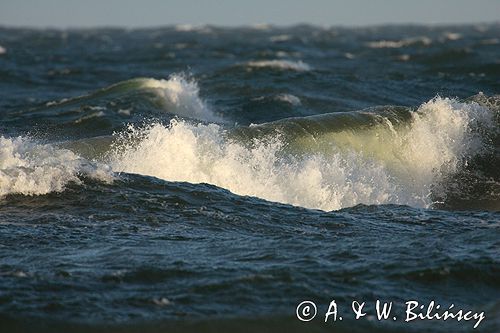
x=29, y=168
x=298, y=66
x=399, y=43
x=442, y=137
x=201, y=154
x=288, y=98
x=380, y=166
x=180, y=96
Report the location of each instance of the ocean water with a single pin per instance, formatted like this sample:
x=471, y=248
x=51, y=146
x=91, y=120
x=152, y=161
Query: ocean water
x=208, y=179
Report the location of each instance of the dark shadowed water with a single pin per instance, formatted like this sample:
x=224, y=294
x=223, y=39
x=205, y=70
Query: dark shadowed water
x=211, y=179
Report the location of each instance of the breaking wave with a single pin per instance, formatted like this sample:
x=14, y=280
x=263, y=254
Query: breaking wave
x=31, y=168
x=424, y=41
x=177, y=95
x=326, y=162
x=383, y=155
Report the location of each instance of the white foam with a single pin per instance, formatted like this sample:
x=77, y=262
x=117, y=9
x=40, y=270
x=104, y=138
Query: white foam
x=181, y=97
x=53, y=103
x=452, y=36
x=97, y=114
x=298, y=66
x=403, y=57
x=185, y=27
x=283, y=54
x=3, y=50
x=193, y=28
x=349, y=55
x=386, y=166
x=261, y=26
x=29, y=168
x=399, y=43
x=280, y=38
x=288, y=98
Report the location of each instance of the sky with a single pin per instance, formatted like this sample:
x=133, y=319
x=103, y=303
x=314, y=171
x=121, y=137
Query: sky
x=150, y=13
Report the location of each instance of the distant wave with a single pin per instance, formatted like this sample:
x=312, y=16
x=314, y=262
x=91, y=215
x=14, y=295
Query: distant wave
x=193, y=28
x=181, y=97
x=288, y=98
x=298, y=66
x=177, y=95
x=400, y=43
x=280, y=38
x=452, y=36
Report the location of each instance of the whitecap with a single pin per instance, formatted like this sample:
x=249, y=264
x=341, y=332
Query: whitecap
x=349, y=55
x=452, y=36
x=98, y=114
x=180, y=96
x=380, y=166
x=288, y=98
x=124, y=112
x=298, y=66
x=491, y=41
x=31, y=168
x=280, y=38
x=399, y=43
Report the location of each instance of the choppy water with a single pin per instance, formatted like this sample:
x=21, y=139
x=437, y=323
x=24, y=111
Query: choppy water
x=208, y=179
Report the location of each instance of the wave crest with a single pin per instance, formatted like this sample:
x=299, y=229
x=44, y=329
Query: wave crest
x=180, y=96
x=30, y=168
x=390, y=162
x=298, y=66
x=177, y=95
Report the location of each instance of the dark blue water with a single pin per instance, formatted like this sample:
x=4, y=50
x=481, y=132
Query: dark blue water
x=206, y=179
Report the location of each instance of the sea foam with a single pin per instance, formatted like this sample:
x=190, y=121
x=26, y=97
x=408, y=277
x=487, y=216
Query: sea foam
x=30, y=168
x=181, y=97
x=379, y=166
x=288, y=98
x=400, y=43
x=178, y=94
x=298, y=66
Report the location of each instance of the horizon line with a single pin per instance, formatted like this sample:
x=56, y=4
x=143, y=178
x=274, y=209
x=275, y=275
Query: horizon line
x=256, y=26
